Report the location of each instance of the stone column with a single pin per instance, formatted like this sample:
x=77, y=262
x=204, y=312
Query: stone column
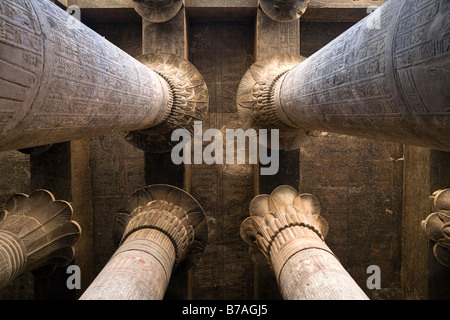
x=61, y=81
x=160, y=230
x=385, y=78
x=288, y=230
x=36, y=232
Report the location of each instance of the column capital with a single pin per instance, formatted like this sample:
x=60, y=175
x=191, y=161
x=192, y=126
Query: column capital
x=36, y=231
x=284, y=223
x=171, y=211
x=284, y=10
x=437, y=226
x=257, y=100
x=157, y=11
x=189, y=100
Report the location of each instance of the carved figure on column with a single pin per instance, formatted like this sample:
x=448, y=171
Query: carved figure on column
x=437, y=226
x=36, y=231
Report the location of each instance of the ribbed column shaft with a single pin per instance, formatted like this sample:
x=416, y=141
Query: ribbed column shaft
x=61, y=81
x=384, y=78
x=139, y=270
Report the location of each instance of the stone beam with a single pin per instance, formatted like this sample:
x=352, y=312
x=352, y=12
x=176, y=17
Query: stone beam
x=62, y=81
x=36, y=232
x=385, y=78
x=160, y=230
x=288, y=230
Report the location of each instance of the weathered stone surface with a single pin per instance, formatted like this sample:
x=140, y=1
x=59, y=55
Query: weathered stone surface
x=384, y=85
x=359, y=184
x=159, y=229
x=61, y=94
x=36, y=232
x=289, y=231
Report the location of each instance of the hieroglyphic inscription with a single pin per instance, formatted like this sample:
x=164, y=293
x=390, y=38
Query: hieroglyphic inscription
x=115, y=84
x=88, y=85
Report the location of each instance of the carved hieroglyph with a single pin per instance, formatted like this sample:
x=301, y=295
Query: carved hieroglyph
x=437, y=226
x=387, y=78
x=160, y=229
x=288, y=230
x=61, y=81
x=35, y=231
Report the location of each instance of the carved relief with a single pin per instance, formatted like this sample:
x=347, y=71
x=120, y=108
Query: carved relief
x=157, y=11
x=256, y=102
x=152, y=207
x=284, y=10
x=281, y=217
x=86, y=87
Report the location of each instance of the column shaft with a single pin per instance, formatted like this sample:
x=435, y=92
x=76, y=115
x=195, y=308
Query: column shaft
x=139, y=270
x=386, y=78
x=60, y=81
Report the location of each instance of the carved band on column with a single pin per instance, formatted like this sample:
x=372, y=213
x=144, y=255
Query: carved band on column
x=256, y=100
x=36, y=231
x=437, y=226
x=384, y=78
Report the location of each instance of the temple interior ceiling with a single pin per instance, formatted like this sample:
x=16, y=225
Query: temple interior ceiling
x=118, y=124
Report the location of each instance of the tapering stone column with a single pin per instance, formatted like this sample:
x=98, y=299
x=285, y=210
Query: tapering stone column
x=437, y=226
x=160, y=230
x=35, y=231
x=288, y=230
x=384, y=78
x=61, y=81
x=284, y=10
